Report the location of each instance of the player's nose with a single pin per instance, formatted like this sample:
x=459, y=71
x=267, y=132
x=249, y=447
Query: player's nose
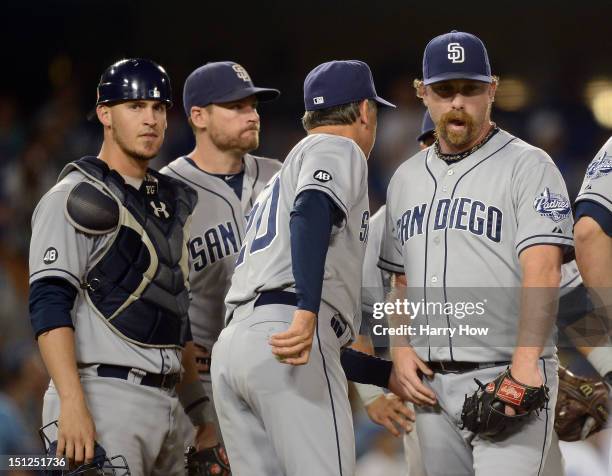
x=253, y=115
x=458, y=101
x=150, y=115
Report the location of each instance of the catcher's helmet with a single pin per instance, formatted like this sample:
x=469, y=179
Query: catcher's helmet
x=100, y=465
x=135, y=78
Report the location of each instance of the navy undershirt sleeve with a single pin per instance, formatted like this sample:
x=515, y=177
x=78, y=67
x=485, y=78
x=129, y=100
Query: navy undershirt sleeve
x=312, y=218
x=363, y=368
x=51, y=300
x=597, y=212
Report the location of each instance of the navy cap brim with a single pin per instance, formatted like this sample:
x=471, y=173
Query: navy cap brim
x=263, y=95
x=383, y=102
x=457, y=75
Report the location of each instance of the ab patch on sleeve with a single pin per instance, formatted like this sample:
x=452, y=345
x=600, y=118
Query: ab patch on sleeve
x=322, y=176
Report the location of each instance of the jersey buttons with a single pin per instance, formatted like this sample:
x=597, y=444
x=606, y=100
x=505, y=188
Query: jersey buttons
x=434, y=279
x=450, y=172
x=436, y=240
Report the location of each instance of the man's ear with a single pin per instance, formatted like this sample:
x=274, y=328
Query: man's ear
x=492, y=91
x=422, y=93
x=364, y=111
x=200, y=117
x=104, y=115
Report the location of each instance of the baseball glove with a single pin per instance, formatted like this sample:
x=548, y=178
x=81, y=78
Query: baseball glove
x=582, y=406
x=208, y=462
x=484, y=412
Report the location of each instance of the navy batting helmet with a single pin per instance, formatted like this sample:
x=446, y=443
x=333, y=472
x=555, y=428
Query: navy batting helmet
x=100, y=465
x=132, y=79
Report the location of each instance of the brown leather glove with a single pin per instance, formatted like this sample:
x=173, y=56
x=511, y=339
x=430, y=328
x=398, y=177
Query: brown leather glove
x=582, y=406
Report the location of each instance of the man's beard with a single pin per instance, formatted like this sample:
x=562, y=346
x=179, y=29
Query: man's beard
x=239, y=143
x=461, y=138
x=131, y=152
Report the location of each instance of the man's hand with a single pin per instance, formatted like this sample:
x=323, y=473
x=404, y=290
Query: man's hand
x=206, y=436
x=390, y=411
x=526, y=372
x=405, y=380
x=76, y=432
x=293, y=346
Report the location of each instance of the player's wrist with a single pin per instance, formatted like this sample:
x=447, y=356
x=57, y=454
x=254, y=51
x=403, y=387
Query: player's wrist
x=368, y=393
x=196, y=403
x=71, y=395
x=526, y=357
x=307, y=313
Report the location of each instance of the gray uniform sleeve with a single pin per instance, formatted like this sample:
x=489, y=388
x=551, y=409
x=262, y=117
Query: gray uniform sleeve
x=57, y=249
x=597, y=184
x=543, y=209
x=334, y=166
x=391, y=257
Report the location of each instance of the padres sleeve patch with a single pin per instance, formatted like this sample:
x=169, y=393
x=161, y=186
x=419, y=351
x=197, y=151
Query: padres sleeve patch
x=600, y=167
x=552, y=205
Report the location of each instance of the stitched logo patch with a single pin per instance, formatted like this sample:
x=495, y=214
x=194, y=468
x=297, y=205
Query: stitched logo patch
x=599, y=167
x=50, y=256
x=552, y=205
x=322, y=176
x=511, y=392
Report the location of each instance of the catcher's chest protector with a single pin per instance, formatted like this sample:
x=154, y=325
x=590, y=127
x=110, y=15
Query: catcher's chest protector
x=139, y=283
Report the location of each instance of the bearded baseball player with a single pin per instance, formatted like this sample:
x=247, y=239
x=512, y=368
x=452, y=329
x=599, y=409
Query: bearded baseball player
x=220, y=102
x=294, y=301
x=480, y=217
x=593, y=232
x=109, y=291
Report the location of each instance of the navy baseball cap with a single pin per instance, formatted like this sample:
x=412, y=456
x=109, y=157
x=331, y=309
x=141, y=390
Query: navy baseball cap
x=220, y=82
x=340, y=82
x=427, y=127
x=456, y=55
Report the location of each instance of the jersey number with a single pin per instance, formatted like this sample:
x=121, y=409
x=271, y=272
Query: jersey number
x=256, y=216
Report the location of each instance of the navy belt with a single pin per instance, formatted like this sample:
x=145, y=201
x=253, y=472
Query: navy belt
x=458, y=367
x=289, y=298
x=165, y=381
x=276, y=297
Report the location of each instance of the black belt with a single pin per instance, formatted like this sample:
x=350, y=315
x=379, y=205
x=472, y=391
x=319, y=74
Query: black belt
x=458, y=367
x=289, y=298
x=276, y=297
x=165, y=381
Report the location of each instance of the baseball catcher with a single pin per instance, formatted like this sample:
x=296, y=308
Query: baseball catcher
x=582, y=406
x=484, y=413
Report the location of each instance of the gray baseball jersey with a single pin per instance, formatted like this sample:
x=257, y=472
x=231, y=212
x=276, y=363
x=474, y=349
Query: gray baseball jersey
x=374, y=279
x=57, y=249
x=455, y=228
x=597, y=184
x=336, y=166
x=297, y=419
x=217, y=231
